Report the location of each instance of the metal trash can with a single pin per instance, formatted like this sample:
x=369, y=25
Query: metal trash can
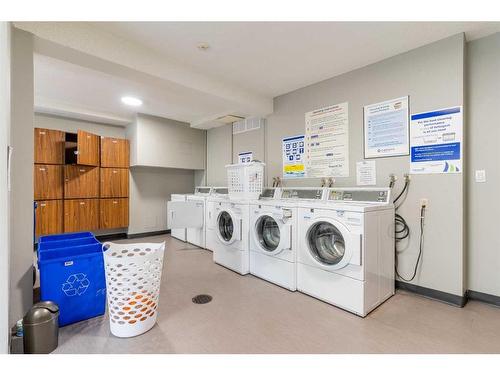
x=41, y=328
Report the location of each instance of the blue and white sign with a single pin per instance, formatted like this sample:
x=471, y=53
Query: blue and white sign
x=436, y=141
x=293, y=157
x=245, y=157
x=386, y=128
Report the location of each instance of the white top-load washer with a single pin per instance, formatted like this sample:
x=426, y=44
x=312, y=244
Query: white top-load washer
x=179, y=233
x=190, y=214
x=346, y=248
x=273, y=235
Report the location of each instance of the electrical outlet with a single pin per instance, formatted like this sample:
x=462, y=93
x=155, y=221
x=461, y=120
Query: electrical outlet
x=424, y=202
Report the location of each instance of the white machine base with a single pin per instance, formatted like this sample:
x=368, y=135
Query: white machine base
x=274, y=270
x=342, y=291
x=234, y=259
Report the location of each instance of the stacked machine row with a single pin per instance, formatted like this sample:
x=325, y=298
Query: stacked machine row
x=81, y=182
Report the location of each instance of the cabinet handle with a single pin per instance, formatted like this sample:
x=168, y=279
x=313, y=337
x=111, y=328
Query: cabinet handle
x=115, y=171
x=82, y=170
x=41, y=133
x=88, y=136
x=114, y=141
x=115, y=202
x=43, y=204
x=82, y=203
x=42, y=169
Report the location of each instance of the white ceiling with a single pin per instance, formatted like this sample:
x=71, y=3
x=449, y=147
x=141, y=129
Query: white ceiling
x=247, y=64
x=273, y=58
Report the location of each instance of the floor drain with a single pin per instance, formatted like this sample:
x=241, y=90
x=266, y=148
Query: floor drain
x=202, y=298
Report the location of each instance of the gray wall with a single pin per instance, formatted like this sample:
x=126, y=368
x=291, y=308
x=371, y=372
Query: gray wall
x=483, y=136
x=4, y=195
x=433, y=78
x=150, y=189
x=21, y=195
x=253, y=140
x=165, y=143
x=219, y=154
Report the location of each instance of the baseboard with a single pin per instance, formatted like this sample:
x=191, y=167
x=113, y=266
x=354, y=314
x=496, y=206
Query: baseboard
x=449, y=298
x=484, y=297
x=148, y=234
x=111, y=237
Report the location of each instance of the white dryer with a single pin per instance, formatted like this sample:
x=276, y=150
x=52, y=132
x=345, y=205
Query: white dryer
x=346, y=249
x=190, y=215
x=273, y=235
x=229, y=222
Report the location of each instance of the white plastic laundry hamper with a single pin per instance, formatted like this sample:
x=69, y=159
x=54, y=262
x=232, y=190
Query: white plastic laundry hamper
x=245, y=181
x=133, y=276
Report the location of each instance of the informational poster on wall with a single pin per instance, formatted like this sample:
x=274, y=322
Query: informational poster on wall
x=366, y=173
x=293, y=157
x=245, y=157
x=386, y=128
x=327, y=142
x=436, y=141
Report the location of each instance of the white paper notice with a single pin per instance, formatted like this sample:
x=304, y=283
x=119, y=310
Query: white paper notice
x=327, y=142
x=386, y=128
x=366, y=173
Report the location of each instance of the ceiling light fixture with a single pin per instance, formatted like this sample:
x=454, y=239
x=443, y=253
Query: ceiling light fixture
x=130, y=100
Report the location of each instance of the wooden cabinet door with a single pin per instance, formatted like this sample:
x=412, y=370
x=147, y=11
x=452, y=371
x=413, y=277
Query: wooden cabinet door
x=114, y=213
x=48, y=181
x=81, y=181
x=115, y=152
x=49, y=217
x=81, y=215
x=87, y=148
x=114, y=182
x=49, y=146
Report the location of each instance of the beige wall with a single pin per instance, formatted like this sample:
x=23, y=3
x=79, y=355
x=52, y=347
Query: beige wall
x=4, y=196
x=150, y=189
x=160, y=142
x=483, y=137
x=21, y=194
x=433, y=78
x=219, y=154
x=252, y=140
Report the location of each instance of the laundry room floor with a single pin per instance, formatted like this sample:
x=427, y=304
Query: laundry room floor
x=249, y=315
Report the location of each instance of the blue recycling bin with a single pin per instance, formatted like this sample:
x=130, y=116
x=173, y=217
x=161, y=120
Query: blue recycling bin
x=72, y=275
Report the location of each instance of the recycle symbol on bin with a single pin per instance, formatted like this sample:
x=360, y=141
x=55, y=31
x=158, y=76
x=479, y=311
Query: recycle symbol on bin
x=76, y=285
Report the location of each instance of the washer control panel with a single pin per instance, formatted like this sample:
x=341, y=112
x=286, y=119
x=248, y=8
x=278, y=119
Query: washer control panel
x=297, y=193
x=362, y=195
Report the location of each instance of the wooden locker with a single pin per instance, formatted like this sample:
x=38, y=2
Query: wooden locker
x=114, y=213
x=49, y=217
x=49, y=146
x=48, y=181
x=81, y=215
x=114, y=182
x=114, y=152
x=81, y=181
x=87, y=148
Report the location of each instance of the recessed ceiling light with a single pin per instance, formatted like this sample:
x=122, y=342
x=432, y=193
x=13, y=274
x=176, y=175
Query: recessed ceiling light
x=130, y=100
x=203, y=46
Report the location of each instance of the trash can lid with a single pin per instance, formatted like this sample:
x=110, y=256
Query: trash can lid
x=41, y=312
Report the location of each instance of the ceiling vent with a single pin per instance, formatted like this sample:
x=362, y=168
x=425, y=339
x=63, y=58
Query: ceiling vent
x=248, y=124
x=229, y=119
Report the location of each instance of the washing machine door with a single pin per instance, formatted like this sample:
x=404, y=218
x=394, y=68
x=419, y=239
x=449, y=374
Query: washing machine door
x=331, y=245
x=228, y=227
x=272, y=235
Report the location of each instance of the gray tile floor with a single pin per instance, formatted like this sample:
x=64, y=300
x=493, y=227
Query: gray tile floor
x=249, y=315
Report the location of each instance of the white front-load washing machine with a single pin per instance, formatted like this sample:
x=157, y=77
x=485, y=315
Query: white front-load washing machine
x=218, y=194
x=346, y=249
x=190, y=215
x=230, y=221
x=273, y=235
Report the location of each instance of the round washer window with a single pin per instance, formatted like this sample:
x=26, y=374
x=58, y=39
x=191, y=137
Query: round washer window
x=326, y=243
x=268, y=233
x=225, y=226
